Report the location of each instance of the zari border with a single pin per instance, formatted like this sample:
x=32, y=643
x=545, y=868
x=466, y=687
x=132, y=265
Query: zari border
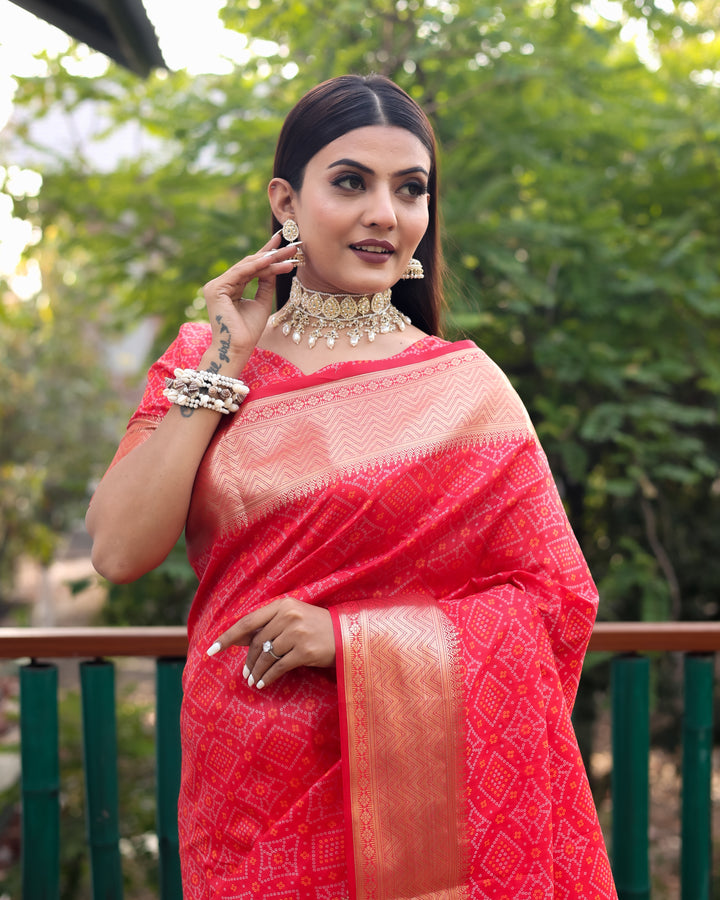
x=284, y=448
x=401, y=701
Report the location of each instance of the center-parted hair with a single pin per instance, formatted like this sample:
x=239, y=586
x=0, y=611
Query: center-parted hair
x=331, y=110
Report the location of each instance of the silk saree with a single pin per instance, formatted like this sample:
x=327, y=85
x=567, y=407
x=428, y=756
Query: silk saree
x=409, y=497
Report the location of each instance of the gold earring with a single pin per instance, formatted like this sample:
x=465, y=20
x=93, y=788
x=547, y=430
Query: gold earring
x=290, y=230
x=414, y=269
x=299, y=258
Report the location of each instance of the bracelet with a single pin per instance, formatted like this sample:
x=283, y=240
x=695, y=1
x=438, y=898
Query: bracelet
x=196, y=388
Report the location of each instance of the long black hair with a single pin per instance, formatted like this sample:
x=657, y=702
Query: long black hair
x=326, y=113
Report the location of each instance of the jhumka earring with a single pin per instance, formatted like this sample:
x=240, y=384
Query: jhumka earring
x=414, y=269
x=290, y=232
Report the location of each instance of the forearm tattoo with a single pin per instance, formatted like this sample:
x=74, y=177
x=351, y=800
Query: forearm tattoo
x=187, y=411
x=224, y=343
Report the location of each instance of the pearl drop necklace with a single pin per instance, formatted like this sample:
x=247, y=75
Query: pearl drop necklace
x=330, y=316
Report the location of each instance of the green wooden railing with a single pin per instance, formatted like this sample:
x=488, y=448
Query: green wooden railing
x=630, y=698
x=39, y=750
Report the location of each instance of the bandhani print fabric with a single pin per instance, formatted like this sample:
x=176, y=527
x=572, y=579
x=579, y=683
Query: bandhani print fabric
x=410, y=498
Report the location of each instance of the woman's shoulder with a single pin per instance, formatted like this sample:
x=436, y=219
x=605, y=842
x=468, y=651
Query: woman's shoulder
x=428, y=342
x=186, y=350
x=485, y=370
x=193, y=339
x=465, y=346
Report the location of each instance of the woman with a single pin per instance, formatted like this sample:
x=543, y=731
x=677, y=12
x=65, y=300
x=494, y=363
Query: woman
x=392, y=611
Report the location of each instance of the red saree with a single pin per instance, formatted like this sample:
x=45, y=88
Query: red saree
x=409, y=497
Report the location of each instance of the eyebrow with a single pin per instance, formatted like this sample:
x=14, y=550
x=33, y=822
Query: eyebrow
x=357, y=165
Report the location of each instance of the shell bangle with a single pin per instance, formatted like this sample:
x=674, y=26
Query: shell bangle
x=196, y=388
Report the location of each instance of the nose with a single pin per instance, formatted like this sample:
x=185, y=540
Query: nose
x=380, y=209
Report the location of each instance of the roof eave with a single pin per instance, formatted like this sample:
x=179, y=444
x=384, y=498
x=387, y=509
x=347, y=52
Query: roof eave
x=121, y=31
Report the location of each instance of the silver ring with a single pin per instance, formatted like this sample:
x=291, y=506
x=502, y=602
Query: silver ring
x=268, y=648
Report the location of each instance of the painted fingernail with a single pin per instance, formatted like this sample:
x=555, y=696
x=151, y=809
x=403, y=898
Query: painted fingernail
x=278, y=249
x=251, y=681
x=260, y=684
x=246, y=673
x=216, y=648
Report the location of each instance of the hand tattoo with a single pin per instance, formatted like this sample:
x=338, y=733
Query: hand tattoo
x=224, y=344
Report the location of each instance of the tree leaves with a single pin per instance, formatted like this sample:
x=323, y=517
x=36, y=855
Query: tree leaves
x=580, y=197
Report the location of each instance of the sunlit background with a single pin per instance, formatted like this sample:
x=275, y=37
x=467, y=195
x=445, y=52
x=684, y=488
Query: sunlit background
x=191, y=37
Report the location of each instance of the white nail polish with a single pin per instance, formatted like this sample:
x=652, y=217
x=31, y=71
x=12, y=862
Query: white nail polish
x=260, y=684
x=278, y=249
x=251, y=681
x=246, y=673
x=216, y=648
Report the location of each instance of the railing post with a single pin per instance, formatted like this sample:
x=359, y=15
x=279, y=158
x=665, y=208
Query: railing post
x=696, y=778
x=630, y=691
x=167, y=742
x=97, y=682
x=40, y=782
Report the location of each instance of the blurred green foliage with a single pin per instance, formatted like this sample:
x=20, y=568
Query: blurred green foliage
x=581, y=206
x=161, y=597
x=136, y=781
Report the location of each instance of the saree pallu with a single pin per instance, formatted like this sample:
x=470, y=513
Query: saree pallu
x=411, y=499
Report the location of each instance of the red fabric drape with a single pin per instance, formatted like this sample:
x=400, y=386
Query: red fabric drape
x=410, y=490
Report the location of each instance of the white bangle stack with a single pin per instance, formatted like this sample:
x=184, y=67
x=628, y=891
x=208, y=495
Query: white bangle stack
x=196, y=388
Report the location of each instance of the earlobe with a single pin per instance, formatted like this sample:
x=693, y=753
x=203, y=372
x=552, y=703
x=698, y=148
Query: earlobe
x=282, y=198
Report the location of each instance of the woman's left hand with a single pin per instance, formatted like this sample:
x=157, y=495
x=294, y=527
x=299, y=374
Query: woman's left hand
x=281, y=636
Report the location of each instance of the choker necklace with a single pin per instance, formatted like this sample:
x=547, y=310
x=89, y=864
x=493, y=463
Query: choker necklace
x=329, y=316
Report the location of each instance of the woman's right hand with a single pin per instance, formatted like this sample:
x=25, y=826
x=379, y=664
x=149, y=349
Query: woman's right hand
x=238, y=322
x=140, y=507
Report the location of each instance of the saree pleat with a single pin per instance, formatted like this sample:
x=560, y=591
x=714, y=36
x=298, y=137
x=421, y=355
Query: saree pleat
x=410, y=498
